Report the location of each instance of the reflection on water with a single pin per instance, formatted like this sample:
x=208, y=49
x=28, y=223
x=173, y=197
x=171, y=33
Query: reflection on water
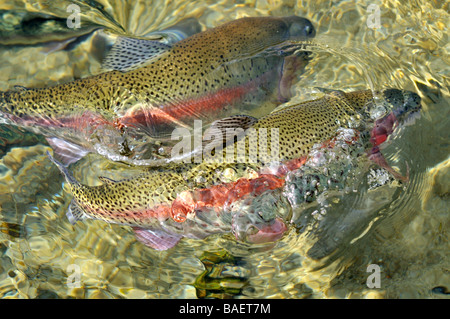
x=401, y=228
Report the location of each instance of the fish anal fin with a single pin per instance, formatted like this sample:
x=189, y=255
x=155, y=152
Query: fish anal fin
x=129, y=53
x=155, y=238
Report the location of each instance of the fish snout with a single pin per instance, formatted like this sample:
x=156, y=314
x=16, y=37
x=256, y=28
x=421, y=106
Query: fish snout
x=253, y=228
x=268, y=233
x=300, y=27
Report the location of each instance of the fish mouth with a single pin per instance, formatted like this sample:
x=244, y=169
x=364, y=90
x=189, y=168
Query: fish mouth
x=268, y=233
x=252, y=228
x=402, y=108
x=411, y=118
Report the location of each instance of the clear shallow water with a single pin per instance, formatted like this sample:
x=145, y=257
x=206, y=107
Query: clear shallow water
x=408, y=233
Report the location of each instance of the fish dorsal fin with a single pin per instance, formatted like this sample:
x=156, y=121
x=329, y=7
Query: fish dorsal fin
x=75, y=212
x=20, y=88
x=226, y=129
x=129, y=53
x=107, y=180
x=329, y=91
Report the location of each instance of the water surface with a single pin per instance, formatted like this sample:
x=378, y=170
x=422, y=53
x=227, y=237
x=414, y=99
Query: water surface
x=404, y=229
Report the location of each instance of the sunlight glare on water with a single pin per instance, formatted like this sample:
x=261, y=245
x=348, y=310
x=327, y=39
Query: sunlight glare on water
x=331, y=240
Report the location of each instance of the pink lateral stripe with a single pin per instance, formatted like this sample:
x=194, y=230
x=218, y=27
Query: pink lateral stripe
x=219, y=195
x=176, y=112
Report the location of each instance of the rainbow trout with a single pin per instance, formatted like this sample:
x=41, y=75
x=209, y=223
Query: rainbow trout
x=164, y=204
x=154, y=87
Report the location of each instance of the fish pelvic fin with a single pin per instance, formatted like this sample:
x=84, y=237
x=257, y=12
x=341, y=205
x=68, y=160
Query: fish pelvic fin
x=378, y=158
x=129, y=54
x=156, y=238
x=69, y=178
x=75, y=212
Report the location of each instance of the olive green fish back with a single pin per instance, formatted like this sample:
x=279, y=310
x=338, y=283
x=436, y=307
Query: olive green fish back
x=300, y=127
x=226, y=56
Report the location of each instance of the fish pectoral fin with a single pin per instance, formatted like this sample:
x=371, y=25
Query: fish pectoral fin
x=236, y=121
x=129, y=53
x=226, y=129
x=155, y=238
x=75, y=212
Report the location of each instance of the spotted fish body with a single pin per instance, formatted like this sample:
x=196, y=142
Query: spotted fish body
x=154, y=87
x=196, y=199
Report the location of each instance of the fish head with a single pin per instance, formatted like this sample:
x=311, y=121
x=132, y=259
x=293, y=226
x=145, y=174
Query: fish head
x=404, y=104
x=299, y=28
x=403, y=108
x=266, y=35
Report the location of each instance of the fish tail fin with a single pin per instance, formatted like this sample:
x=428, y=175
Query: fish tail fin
x=69, y=178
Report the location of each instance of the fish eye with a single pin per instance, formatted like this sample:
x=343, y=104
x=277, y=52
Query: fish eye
x=302, y=29
x=260, y=214
x=308, y=30
x=299, y=27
